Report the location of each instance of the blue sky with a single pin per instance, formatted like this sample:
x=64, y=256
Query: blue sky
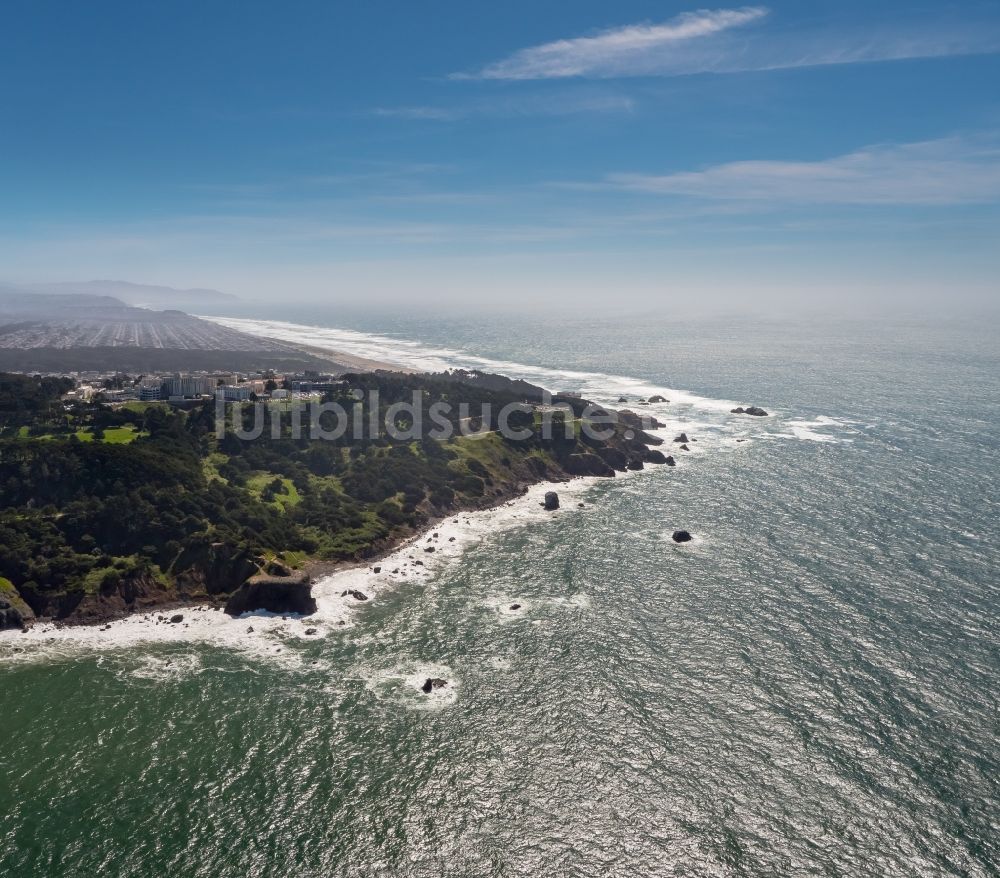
x=569, y=152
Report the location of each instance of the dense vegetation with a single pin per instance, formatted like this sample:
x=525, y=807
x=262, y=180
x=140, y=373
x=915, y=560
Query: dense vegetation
x=82, y=512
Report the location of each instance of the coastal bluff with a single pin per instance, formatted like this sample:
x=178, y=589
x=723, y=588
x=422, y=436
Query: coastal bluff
x=182, y=515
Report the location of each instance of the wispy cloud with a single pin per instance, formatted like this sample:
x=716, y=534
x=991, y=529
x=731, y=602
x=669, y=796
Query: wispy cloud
x=609, y=52
x=724, y=41
x=512, y=107
x=954, y=170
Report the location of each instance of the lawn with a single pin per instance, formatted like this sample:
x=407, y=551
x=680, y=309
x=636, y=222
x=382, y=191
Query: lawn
x=113, y=435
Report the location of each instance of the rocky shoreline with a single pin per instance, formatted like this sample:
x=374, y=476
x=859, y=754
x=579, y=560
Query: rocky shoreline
x=284, y=592
x=393, y=491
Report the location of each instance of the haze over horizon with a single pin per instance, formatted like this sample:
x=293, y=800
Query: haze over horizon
x=643, y=155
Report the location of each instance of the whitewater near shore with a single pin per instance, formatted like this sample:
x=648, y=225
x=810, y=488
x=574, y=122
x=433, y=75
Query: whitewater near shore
x=278, y=638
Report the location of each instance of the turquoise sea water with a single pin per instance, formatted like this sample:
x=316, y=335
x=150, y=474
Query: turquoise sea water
x=811, y=688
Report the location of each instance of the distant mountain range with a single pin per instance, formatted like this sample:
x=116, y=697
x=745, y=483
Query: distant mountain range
x=140, y=295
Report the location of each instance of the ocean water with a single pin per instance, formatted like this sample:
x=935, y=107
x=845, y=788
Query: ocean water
x=809, y=688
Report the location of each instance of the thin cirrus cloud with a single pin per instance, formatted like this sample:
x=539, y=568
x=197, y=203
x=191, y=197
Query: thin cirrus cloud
x=949, y=171
x=731, y=41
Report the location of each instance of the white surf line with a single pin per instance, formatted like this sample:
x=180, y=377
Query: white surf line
x=681, y=409
x=598, y=386
x=278, y=639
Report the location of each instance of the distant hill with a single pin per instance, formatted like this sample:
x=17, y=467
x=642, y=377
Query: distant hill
x=82, y=331
x=143, y=295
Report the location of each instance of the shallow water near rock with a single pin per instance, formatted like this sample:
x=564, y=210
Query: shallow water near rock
x=810, y=686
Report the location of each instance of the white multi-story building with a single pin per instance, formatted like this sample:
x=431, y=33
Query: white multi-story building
x=235, y=392
x=189, y=386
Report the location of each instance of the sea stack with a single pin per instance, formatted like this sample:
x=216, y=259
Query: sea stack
x=551, y=500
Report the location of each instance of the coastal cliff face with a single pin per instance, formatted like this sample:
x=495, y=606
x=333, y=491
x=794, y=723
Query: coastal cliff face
x=14, y=612
x=96, y=530
x=119, y=598
x=276, y=594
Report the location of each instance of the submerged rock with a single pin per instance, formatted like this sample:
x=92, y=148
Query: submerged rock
x=551, y=500
x=681, y=536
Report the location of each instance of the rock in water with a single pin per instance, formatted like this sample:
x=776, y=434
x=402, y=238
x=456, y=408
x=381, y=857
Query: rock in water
x=685, y=448
x=657, y=398
x=669, y=460
x=174, y=620
x=587, y=465
x=754, y=410
x=614, y=458
x=432, y=683
x=551, y=500
x=682, y=438
x=681, y=536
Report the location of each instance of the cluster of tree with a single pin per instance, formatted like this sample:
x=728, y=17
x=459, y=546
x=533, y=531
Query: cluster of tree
x=77, y=515
x=27, y=398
